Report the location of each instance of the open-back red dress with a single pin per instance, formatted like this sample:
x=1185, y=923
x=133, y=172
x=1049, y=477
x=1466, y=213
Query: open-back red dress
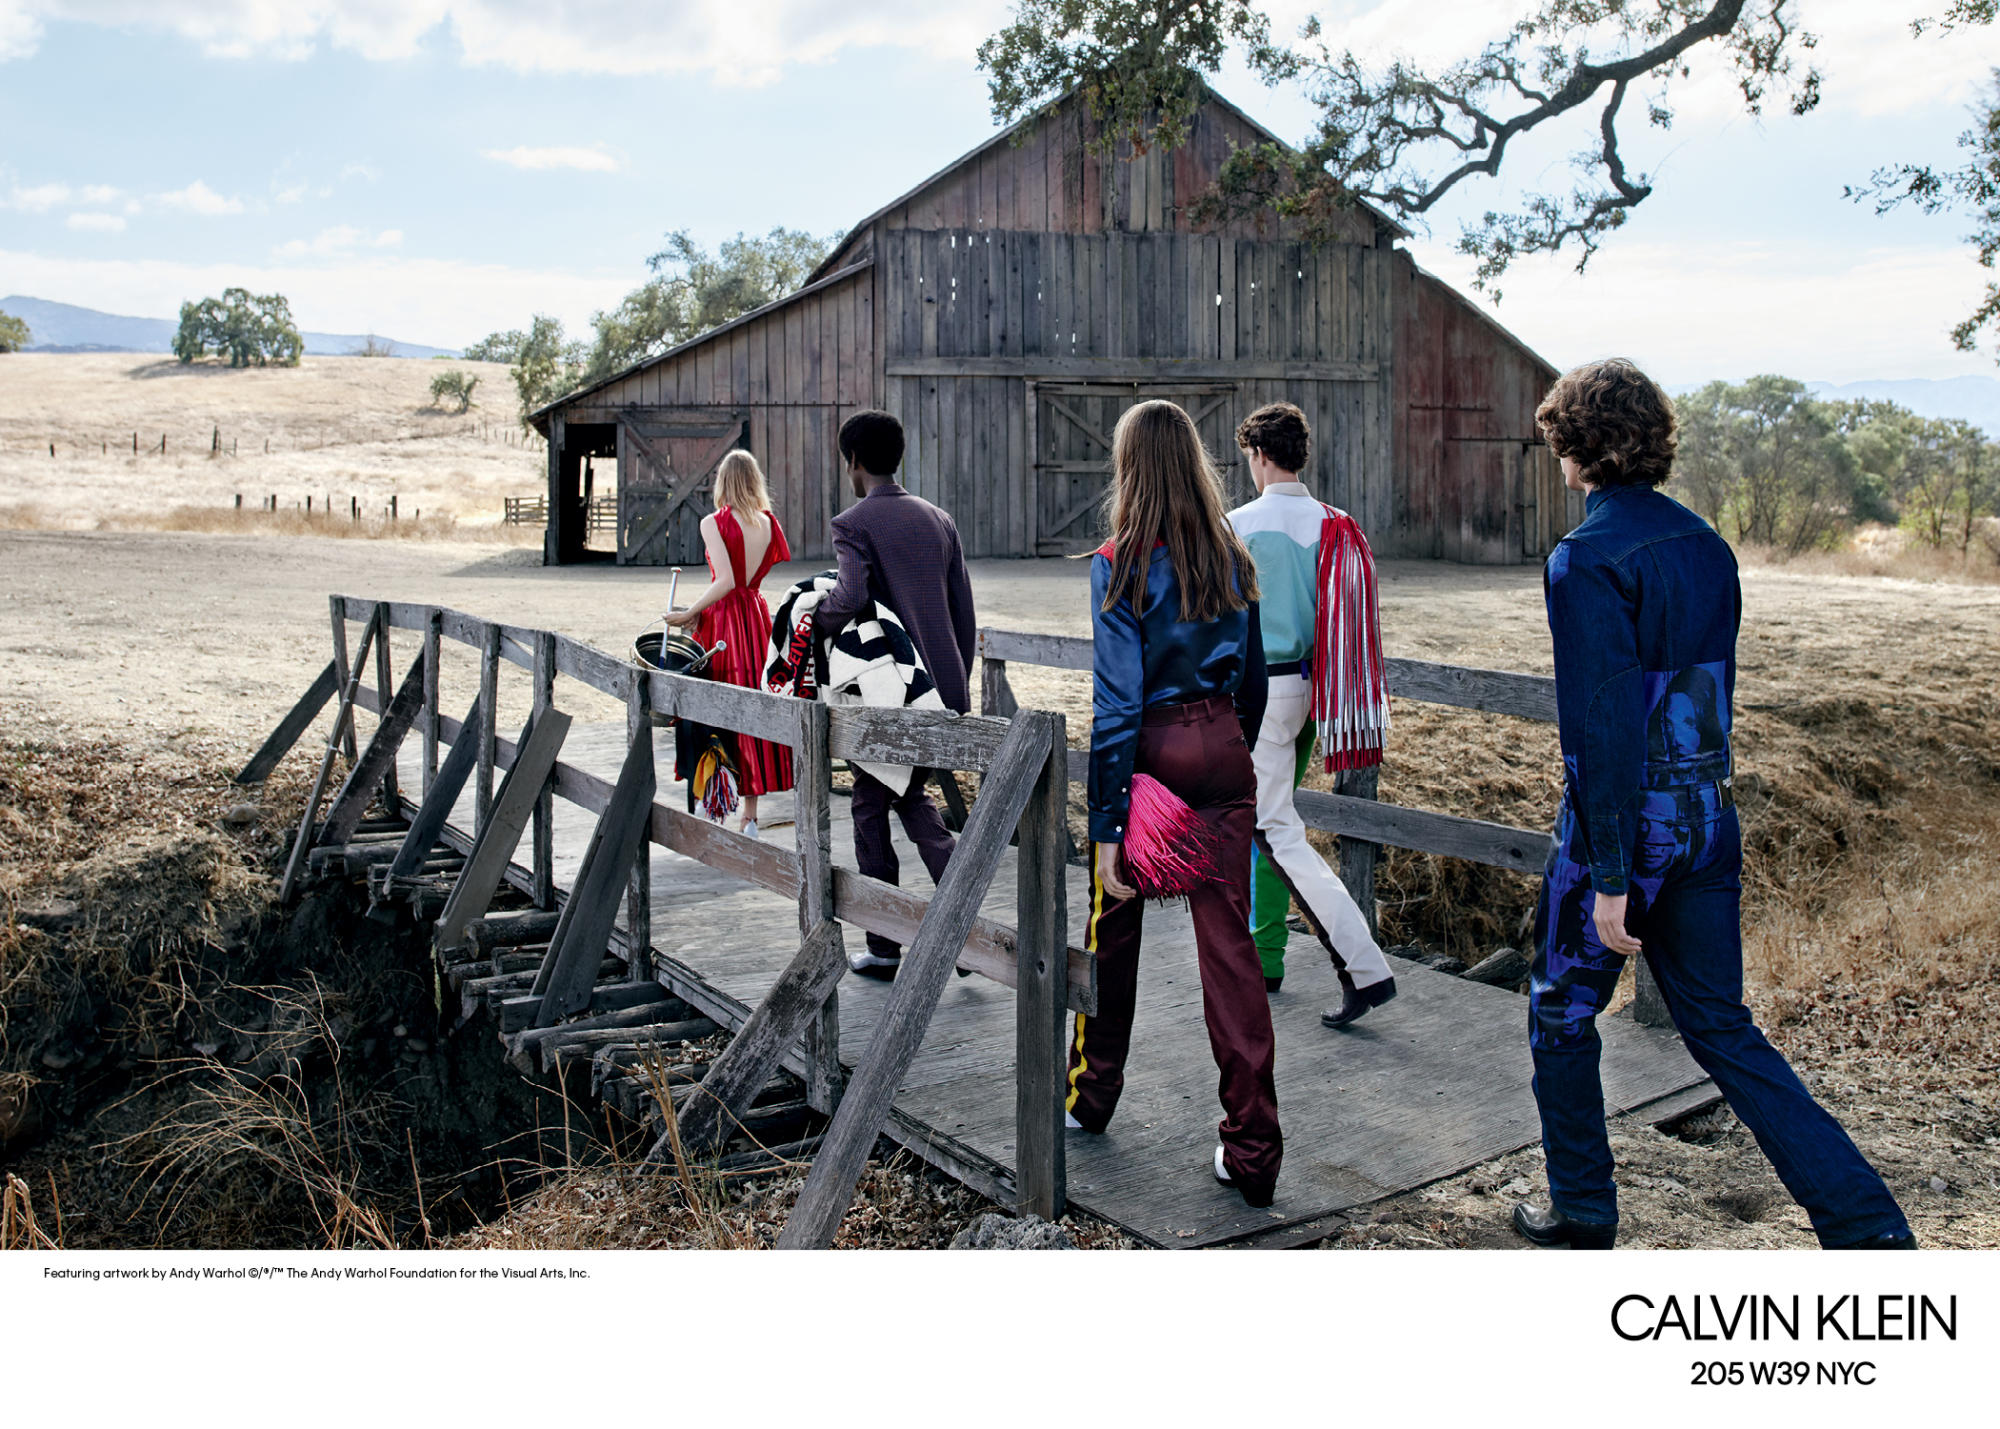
x=743, y=621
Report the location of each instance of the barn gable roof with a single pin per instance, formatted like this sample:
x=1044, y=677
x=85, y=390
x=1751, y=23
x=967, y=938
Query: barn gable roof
x=1006, y=135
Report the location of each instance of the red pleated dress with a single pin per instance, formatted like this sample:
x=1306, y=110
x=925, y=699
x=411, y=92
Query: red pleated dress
x=743, y=620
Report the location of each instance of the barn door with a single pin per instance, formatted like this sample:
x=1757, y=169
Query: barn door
x=1072, y=434
x=665, y=473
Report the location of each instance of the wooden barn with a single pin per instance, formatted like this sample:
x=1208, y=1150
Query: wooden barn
x=1011, y=306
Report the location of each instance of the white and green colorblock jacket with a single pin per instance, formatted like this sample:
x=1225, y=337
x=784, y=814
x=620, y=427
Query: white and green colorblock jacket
x=1282, y=529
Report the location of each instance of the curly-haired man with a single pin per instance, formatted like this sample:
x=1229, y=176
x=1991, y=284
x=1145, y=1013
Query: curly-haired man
x=1643, y=606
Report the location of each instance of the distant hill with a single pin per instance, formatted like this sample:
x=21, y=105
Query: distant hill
x=62, y=327
x=1971, y=399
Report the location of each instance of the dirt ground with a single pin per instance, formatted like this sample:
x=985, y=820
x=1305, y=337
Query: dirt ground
x=1868, y=738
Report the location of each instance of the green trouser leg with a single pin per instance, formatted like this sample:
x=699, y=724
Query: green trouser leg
x=1270, y=900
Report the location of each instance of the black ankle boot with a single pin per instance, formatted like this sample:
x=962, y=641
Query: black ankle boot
x=1356, y=1001
x=1555, y=1230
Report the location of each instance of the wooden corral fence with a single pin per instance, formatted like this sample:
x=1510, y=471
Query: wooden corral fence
x=1023, y=794
x=534, y=511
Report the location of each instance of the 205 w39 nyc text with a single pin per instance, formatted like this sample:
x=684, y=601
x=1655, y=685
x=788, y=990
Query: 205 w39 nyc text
x=1782, y=1372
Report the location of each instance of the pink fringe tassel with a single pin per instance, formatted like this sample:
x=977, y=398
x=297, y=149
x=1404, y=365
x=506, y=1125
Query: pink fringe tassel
x=1170, y=850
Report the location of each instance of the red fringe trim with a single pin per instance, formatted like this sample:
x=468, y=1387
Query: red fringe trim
x=1170, y=850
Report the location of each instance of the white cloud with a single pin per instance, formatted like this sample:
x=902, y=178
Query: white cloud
x=748, y=42
x=199, y=198
x=41, y=198
x=419, y=300
x=524, y=157
x=338, y=242
x=292, y=193
x=1735, y=307
x=96, y=223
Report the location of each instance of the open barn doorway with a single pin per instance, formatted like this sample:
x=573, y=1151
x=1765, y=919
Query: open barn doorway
x=1072, y=425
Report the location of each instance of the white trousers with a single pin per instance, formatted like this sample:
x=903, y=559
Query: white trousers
x=1333, y=908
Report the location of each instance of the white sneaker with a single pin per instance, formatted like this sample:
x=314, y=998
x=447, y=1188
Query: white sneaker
x=749, y=829
x=1221, y=1171
x=1071, y=1123
x=866, y=964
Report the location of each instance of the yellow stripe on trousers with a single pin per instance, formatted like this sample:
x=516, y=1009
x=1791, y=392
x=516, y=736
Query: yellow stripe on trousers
x=1090, y=943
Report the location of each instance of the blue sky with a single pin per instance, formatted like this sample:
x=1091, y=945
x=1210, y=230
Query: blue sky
x=440, y=168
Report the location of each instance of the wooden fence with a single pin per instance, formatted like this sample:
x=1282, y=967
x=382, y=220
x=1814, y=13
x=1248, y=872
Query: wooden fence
x=1363, y=822
x=1352, y=811
x=534, y=511
x=1022, y=796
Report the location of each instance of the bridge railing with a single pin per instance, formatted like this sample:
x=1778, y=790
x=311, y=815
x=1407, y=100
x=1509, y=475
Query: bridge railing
x=1363, y=822
x=1022, y=799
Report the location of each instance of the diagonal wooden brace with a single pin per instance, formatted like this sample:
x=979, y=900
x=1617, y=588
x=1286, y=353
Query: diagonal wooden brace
x=290, y=728
x=534, y=761
x=343, y=721
x=1017, y=767
x=781, y=1019
x=437, y=805
x=570, y=967
x=364, y=780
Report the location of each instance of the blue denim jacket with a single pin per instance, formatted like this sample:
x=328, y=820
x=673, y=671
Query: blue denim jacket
x=1153, y=657
x=1643, y=605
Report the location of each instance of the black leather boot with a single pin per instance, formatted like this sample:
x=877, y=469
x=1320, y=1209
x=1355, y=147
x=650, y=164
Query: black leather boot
x=1356, y=1001
x=1906, y=1241
x=1557, y=1231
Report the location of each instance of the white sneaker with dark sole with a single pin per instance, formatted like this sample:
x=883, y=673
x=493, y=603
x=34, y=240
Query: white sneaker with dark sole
x=865, y=964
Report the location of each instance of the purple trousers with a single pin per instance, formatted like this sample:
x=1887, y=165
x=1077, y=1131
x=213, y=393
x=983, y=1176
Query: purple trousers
x=1197, y=751
x=875, y=856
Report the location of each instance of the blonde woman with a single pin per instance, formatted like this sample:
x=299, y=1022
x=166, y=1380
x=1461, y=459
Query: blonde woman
x=743, y=540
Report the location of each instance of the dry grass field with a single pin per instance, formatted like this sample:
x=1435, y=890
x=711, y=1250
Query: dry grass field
x=332, y=427
x=137, y=667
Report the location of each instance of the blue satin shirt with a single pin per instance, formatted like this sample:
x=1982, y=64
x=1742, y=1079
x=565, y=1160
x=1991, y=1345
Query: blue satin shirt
x=1153, y=657
x=1644, y=605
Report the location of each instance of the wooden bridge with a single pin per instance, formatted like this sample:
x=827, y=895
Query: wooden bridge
x=641, y=925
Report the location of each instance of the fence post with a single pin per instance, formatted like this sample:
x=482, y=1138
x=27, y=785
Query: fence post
x=1358, y=859
x=489, y=698
x=639, y=895
x=996, y=696
x=545, y=828
x=338, y=606
x=1041, y=994
x=433, y=649
x=812, y=775
x=385, y=689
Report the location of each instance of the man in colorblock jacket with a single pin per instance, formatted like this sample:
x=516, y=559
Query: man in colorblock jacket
x=1282, y=528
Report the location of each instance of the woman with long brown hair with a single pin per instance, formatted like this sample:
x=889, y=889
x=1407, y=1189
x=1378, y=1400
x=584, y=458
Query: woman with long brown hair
x=743, y=540
x=1178, y=695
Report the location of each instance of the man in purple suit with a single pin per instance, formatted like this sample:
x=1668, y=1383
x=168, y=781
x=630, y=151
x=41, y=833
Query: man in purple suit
x=903, y=553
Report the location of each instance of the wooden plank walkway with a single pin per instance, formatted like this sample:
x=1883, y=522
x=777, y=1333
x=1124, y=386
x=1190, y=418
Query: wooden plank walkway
x=1432, y=1084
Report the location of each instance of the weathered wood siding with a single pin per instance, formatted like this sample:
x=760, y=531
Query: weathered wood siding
x=971, y=320
x=1048, y=175
x=797, y=371
x=1009, y=308
x=1473, y=482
